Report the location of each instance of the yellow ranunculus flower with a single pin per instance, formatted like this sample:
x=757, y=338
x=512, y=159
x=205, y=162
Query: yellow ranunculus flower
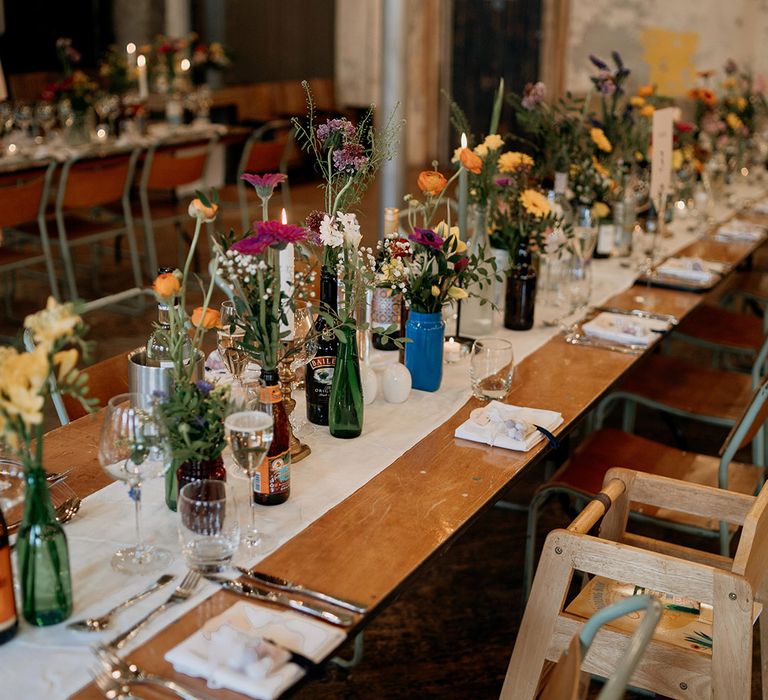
x=65, y=360
x=511, y=161
x=535, y=203
x=481, y=150
x=435, y=290
x=457, y=293
x=637, y=101
x=493, y=142
x=442, y=230
x=647, y=111
x=53, y=322
x=733, y=121
x=600, y=139
x=600, y=210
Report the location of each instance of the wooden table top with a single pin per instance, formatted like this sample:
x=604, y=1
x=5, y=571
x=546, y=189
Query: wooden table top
x=370, y=545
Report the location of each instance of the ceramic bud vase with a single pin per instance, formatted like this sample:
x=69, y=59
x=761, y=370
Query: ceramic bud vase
x=43, y=556
x=521, y=290
x=424, y=355
x=345, y=406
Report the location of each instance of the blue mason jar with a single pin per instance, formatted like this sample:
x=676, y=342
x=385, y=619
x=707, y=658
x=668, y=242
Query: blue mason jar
x=424, y=355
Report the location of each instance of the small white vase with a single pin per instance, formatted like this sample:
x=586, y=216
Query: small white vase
x=370, y=382
x=396, y=383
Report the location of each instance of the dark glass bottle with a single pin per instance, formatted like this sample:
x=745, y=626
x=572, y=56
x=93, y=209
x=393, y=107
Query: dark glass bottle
x=521, y=290
x=319, y=373
x=272, y=485
x=9, y=621
x=43, y=556
x=187, y=472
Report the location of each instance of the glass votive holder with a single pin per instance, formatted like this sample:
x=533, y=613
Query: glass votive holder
x=491, y=368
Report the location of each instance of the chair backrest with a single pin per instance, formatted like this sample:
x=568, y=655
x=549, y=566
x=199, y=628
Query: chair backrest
x=751, y=421
x=94, y=181
x=24, y=194
x=106, y=379
x=262, y=155
x=171, y=165
x=751, y=560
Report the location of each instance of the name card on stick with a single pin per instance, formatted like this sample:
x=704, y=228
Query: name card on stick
x=661, y=160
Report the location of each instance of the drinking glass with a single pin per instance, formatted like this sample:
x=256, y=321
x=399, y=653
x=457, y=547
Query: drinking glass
x=134, y=446
x=229, y=336
x=209, y=527
x=554, y=291
x=249, y=435
x=491, y=368
x=45, y=116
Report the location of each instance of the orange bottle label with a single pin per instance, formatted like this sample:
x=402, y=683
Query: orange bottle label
x=7, y=603
x=274, y=474
x=270, y=394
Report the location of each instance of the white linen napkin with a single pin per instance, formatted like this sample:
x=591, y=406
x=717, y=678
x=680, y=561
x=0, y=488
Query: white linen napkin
x=512, y=427
x=693, y=269
x=230, y=650
x=739, y=230
x=625, y=329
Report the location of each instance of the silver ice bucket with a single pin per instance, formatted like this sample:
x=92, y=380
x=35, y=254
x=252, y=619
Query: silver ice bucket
x=146, y=380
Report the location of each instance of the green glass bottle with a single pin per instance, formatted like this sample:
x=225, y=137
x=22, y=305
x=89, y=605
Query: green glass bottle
x=43, y=556
x=346, y=401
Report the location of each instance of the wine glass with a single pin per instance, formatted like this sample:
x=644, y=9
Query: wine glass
x=24, y=117
x=491, y=368
x=229, y=338
x=305, y=345
x=209, y=526
x=134, y=446
x=45, y=116
x=249, y=435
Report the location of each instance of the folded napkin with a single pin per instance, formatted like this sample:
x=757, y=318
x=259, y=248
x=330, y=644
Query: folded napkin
x=739, y=230
x=244, y=649
x=217, y=373
x=693, y=269
x=625, y=329
x=512, y=427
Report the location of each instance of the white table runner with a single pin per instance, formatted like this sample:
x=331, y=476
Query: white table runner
x=53, y=662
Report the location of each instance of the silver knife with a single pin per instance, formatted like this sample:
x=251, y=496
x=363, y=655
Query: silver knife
x=284, y=585
x=340, y=619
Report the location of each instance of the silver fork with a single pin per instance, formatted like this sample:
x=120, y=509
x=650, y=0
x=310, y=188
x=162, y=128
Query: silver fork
x=117, y=676
x=182, y=592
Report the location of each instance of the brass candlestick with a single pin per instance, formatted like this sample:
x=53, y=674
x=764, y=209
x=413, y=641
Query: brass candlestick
x=285, y=373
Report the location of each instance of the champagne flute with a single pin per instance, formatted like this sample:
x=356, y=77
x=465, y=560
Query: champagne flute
x=134, y=446
x=249, y=435
x=229, y=339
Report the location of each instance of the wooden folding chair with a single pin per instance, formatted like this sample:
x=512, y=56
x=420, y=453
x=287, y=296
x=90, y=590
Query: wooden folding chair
x=169, y=165
x=582, y=474
x=23, y=200
x=90, y=183
x=702, y=647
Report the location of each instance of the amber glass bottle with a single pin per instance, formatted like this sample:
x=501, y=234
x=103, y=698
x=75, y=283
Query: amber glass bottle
x=9, y=621
x=272, y=484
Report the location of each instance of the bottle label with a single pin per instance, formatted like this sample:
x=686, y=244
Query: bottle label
x=270, y=394
x=321, y=370
x=274, y=475
x=605, y=238
x=385, y=309
x=7, y=603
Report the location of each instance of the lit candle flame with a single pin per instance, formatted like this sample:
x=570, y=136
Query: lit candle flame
x=185, y=64
x=130, y=49
x=463, y=140
x=284, y=216
x=141, y=61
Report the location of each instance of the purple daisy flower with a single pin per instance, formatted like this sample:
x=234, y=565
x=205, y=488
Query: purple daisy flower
x=264, y=184
x=269, y=233
x=426, y=237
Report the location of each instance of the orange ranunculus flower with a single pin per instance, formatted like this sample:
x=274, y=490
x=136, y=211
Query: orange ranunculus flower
x=647, y=111
x=645, y=90
x=694, y=93
x=166, y=285
x=198, y=210
x=210, y=319
x=471, y=161
x=431, y=182
x=707, y=96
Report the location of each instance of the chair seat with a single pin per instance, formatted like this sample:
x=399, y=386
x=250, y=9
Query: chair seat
x=690, y=388
x=720, y=326
x=753, y=283
x=607, y=448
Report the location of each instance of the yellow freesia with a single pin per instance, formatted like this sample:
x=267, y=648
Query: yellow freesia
x=535, y=203
x=55, y=321
x=435, y=290
x=453, y=233
x=457, y=293
x=22, y=377
x=600, y=139
x=65, y=360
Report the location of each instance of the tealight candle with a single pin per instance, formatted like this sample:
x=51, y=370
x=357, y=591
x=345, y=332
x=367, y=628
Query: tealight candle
x=451, y=351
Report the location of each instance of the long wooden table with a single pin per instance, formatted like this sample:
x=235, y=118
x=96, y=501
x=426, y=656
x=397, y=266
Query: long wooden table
x=370, y=545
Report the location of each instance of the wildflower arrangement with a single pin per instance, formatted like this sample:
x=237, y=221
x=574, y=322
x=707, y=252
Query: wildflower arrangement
x=74, y=85
x=741, y=103
x=114, y=75
x=193, y=411
x=642, y=106
x=208, y=56
x=58, y=333
x=523, y=215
